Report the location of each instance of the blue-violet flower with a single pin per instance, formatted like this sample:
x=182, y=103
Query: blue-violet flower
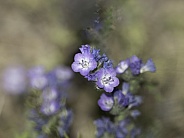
x=84, y=63
x=49, y=108
x=15, y=80
x=107, y=79
x=135, y=65
x=122, y=66
x=106, y=102
x=104, y=125
x=149, y=66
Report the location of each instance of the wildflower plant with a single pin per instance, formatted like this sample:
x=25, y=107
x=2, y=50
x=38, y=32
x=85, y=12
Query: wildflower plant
x=47, y=98
x=120, y=103
x=97, y=68
x=49, y=114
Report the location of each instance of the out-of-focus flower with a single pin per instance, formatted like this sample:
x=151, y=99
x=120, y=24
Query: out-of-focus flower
x=120, y=99
x=37, y=78
x=122, y=66
x=14, y=80
x=149, y=66
x=107, y=79
x=106, y=102
x=125, y=88
x=121, y=130
x=135, y=65
x=50, y=107
x=134, y=100
x=50, y=94
x=104, y=125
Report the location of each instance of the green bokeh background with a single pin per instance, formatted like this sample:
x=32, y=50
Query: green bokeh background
x=48, y=33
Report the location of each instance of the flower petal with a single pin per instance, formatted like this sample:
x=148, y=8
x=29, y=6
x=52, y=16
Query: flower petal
x=108, y=88
x=115, y=82
x=76, y=67
x=78, y=57
x=99, y=83
x=84, y=71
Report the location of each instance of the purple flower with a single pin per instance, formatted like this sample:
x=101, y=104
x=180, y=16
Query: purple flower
x=149, y=66
x=14, y=80
x=121, y=133
x=103, y=59
x=96, y=54
x=37, y=77
x=50, y=94
x=134, y=100
x=38, y=82
x=125, y=88
x=84, y=63
x=124, y=123
x=91, y=76
x=50, y=108
x=104, y=125
x=122, y=66
x=107, y=79
x=121, y=128
x=85, y=49
x=50, y=104
x=135, y=65
x=108, y=64
x=121, y=99
x=106, y=102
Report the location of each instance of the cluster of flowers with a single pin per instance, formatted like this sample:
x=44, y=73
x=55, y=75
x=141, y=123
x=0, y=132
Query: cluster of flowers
x=135, y=65
x=49, y=113
x=120, y=102
x=99, y=68
x=95, y=67
x=107, y=129
x=47, y=98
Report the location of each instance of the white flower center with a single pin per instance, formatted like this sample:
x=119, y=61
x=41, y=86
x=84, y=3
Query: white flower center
x=85, y=64
x=109, y=102
x=107, y=79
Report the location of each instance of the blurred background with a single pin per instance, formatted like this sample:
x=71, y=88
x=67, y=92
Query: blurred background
x=49, y=33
